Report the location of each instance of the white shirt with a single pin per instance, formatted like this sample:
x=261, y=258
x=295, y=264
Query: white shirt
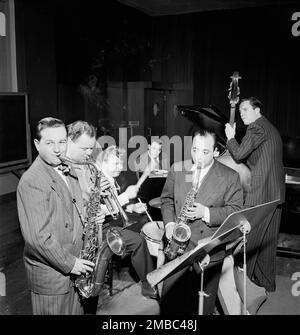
x=62, y=175
x=203, y=173
x=154, y=160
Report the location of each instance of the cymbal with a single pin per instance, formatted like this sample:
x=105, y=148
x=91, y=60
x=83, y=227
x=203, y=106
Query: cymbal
x=156, y=203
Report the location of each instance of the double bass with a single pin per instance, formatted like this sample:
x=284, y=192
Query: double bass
x=226, y=158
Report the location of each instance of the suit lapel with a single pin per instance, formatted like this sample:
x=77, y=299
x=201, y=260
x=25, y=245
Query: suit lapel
x=59, y=187
x=210, y=183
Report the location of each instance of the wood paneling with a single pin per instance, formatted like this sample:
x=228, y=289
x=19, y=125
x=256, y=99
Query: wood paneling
x=172, y=60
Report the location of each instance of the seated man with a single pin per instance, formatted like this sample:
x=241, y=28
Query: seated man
x=203, y=192
x=110, y=161
x=111, y=165
x=153, y=157
x=156, y=161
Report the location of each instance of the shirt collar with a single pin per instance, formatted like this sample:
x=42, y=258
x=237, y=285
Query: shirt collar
x=203, y=173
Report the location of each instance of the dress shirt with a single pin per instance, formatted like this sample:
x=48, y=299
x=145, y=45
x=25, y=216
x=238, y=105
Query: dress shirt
x=62, y=175
x=203, y=173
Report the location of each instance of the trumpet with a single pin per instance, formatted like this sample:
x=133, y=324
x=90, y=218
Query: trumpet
x=114, y=238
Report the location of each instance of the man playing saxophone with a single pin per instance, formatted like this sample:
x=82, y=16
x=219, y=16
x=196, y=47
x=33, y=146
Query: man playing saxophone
x=81, y=142
x=217, y=192
x=50, y=209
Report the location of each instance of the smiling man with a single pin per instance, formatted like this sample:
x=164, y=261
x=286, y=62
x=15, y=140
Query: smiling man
x=51, y=225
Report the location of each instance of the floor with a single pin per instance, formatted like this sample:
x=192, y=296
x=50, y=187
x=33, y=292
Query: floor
x=126, y=291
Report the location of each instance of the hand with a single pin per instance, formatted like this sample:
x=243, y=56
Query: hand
x=139, y=207
x=195, y=212
x=169, y=229
x=131, y=191
x=100, y=217
x=82, y=266
x=104, y=186
x=230, y=131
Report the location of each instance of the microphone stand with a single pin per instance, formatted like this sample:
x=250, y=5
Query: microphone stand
x=245, y=228
x=203, y=264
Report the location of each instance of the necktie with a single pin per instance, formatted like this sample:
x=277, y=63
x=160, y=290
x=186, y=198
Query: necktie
x=64, y=168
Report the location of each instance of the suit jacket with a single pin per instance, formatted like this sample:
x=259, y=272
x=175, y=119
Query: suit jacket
x=262, y=149
x=51, y=227
x=220, y=191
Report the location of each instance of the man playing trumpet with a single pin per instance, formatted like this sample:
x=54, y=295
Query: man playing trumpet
x=111, y=164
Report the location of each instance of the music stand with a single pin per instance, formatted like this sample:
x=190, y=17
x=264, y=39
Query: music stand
x=231, y=229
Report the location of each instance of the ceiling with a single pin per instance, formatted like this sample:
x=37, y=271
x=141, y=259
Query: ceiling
x=175, y=7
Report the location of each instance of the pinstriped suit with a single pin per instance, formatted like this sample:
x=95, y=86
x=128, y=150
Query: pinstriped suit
x=222, y=193
x=262, y=148
x=52, y=231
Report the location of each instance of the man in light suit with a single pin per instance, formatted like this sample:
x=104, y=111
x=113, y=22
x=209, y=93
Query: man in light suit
x=218, y=194
x=50, y=209
x=262, y=148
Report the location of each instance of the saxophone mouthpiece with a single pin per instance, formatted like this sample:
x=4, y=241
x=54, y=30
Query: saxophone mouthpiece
x=200, y=165
x=64, y=158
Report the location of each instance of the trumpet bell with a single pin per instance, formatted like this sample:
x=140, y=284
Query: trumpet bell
x=115, y=241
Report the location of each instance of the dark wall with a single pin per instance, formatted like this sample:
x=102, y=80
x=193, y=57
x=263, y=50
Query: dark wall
x=104, y=39
x=61, y=43
x=36, y=63
x=173, y=50
x=257, y=42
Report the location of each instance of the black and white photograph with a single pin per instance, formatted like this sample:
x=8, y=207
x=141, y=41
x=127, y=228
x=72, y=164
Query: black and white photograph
x=149, y=161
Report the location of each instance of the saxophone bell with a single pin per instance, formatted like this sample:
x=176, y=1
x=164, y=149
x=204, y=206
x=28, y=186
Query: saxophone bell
x=179, y=241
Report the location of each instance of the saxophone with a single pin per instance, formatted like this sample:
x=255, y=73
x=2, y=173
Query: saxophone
x=94, y=249
x=182, y=232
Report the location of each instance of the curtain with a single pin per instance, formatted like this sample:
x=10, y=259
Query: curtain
x=8, y=69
